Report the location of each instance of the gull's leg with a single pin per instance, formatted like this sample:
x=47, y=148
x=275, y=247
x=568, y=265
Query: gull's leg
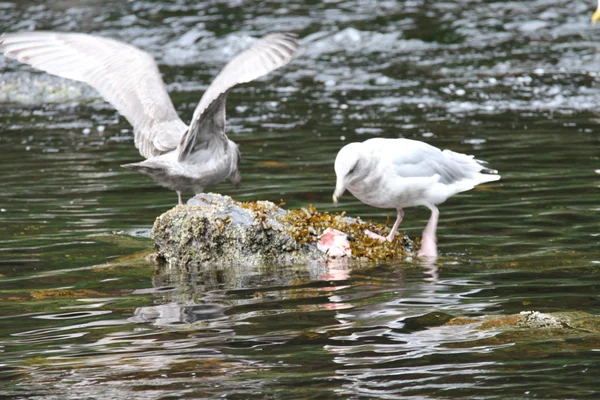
x=374, y=235
x=389, y=237
x=428, y=240
x=399, y=217
x=179, y=197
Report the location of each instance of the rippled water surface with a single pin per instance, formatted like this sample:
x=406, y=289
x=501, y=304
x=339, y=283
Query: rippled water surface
x=516, y=83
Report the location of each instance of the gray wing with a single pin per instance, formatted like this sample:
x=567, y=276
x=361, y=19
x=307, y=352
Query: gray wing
x=265, y=55
x=124, y=75
x=418, y=159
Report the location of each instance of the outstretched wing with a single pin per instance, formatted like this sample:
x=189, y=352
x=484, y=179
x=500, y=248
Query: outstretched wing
x=266, y=55
x=124, y=75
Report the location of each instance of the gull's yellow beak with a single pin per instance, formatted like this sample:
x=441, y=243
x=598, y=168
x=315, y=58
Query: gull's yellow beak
x=596, y=16
x=335, y=199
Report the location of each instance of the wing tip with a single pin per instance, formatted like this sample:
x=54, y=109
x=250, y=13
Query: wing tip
x=486, y=176
x=288, y=40
x=489, y=171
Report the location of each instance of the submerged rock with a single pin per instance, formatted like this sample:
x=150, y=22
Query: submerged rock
x=216, y=229
x=532, y=321
x=530, y=333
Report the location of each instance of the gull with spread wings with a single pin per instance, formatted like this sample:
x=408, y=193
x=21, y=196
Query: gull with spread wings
x=178, y=156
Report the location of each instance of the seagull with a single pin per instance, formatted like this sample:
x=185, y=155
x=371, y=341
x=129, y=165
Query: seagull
x=178, y=156
x=399, y=173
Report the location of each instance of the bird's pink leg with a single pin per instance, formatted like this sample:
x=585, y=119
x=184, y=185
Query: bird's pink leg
x=179, y=197
x=428, y=240
x=399, y=218
x=389, y=237
x=374, y=235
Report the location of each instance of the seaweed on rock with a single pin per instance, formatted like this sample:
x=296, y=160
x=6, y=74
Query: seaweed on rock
x=306, y=224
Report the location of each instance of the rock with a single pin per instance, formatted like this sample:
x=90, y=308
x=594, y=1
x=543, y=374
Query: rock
x=532, y=321
x=538, y=320
x=529, y=334
x=213, y=228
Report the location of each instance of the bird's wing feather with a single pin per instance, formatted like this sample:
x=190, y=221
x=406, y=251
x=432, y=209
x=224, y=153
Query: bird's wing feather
x=418, y=159
x=124, y=75
x=415, y=159
x=265, y=55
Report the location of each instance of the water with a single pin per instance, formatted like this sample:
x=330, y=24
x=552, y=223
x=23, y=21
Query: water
x=84, y=316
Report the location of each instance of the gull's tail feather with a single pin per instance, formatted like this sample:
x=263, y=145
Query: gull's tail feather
x=486, y=174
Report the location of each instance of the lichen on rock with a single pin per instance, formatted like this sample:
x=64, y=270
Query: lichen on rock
x=215, y=228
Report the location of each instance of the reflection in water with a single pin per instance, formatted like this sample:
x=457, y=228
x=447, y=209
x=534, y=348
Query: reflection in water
x=379, y=324
x=173, y=313
x=431, y=270
x=402, y=346
x=337, y=269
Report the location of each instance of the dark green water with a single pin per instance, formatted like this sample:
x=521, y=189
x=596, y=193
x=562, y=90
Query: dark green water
x=515, y=83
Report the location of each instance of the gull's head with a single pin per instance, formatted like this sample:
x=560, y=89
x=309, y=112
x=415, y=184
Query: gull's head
x=596, y=15
x=346, y=166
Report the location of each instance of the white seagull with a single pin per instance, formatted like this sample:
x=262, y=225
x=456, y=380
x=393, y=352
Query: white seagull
x=399, y=173
x=178, y=156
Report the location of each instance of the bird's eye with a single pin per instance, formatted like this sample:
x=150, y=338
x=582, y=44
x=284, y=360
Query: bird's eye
x=353, y=168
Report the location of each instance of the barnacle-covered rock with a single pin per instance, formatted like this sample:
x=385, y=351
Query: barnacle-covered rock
x=213, y=228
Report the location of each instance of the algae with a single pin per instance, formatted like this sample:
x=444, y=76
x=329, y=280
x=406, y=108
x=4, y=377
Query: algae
x=64, y=293
x=307, y=224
